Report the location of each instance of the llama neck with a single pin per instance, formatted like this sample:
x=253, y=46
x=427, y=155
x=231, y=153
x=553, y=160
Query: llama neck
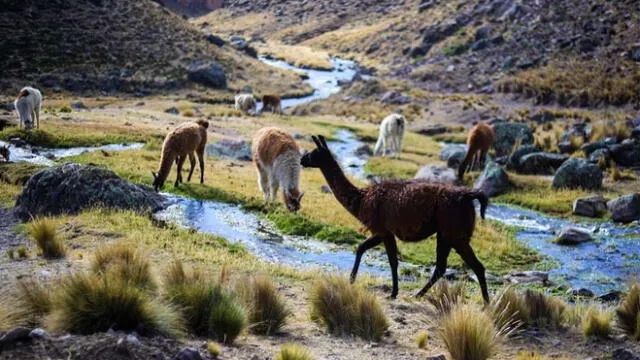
x=167, y=159
x=347, y=194
x=287, y=171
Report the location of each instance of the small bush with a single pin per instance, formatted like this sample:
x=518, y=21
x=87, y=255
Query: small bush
x=510, y=309
x=32, y=302
x=227, y=319
x=346, y=309
x=214, y=349
x=188, y=113
x=125, y=262
x=23, y=253
x=293, y=352
x=43, y=231
x=544, y=311
x=628, y=313
x=596, y=323
x=421, y=339
x=468, y=333
x=65, y=109
x=267, y=309
x=89, y=303
x=11, y=254
x=443, y=296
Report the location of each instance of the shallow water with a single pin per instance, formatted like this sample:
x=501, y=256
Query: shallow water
x=324, y=83
x=46, y=157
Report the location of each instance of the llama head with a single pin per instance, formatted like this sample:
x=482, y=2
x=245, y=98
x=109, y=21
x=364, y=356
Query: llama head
x=320, y=156
x=292, y=200
x=158, y=183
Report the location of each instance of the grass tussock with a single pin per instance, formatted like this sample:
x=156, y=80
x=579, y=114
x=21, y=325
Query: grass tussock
x=510, y=309
x=444, y=296
x=267, y=309
x=346, y=309
x=43, y=231
x=31, y=303
x=214, y=349
x=596, y=322
x=544, y=311
x=293, y=352
x=125, y=262
x=628, y=313
x=421, y=339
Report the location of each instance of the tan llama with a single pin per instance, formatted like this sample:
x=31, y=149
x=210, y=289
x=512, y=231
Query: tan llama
x=277, y=158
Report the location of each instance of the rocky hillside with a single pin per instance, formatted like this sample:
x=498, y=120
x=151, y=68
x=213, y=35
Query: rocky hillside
x=570, y=52
x=119, y=45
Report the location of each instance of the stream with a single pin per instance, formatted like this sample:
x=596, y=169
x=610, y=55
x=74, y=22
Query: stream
x=46, y=157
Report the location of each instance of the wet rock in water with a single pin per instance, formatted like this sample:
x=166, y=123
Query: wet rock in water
x=527, y=277
x=580, y=293
x=541, y=163
x=363, y=150
x=71, y=188
x=627, y=153
x=207, y=73
x=437, y=175
x=326, y=189
x=188, y=354
x=78, y=105
x=430, y=130
x=578, y=173
x=610, y=296
x=600, y=155
x=230, y=149
x=624, y=354
x=14, y=335
x=514, y=158
x=590, y=206
x=573, y=236
x=38, y=333
x=493, y=181
x=625, y=208
x=172, y=110
x=508, y=133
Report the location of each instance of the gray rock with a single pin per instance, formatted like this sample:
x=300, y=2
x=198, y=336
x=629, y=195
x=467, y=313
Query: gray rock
x=230, y=149
x=451, y=150
x=600, y=155
x=9, y=106
x=590, y=206
x=541, y=163
x=14, y=335
x=78, y=105
x=437, y=174
x=172, y=110
x=580, y=293
x=38, y=333
x=188, y=354
x=71, y=188
x=527, y=277
x=493, y=180
x=216, y=40
x=626, y=154
x=588, y=148
x=578, y=173
x=610, y=296
x=624, y=354
x=207, y=73
x=430, y=130
x=625, y=208
x=364, y=150
x=573, y=236
x=394, y=98
x=514, y=159
x=325, y=189
x=508, y=133
x=565, y=147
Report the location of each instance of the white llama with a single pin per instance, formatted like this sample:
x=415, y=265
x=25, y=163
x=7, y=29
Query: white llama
x=28, y=105
x=391, y=135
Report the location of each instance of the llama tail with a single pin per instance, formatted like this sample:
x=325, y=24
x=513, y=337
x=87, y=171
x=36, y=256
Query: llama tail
x=482, y=197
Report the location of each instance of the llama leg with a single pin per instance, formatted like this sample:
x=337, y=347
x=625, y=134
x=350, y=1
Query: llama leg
x=274, y=187
x=201, y=161
x=366, y=245
x=465, y=162
x=483, y=158
x=37, y=111
x=470, y=258
x=442, y=253
x=392, y=253
x=181, y=160
x=179, y=178
x=263, y=183
x=192, y=161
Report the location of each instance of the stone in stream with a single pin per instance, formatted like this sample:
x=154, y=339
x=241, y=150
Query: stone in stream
x=508, y=133
x=437, y=175
x=625, y=208
x=578, y=173
x=590, y=206
x=71, y=188
x=527, y=277
x=541, y=163
x=230, y=149
x=493, y=181
x=573, y=236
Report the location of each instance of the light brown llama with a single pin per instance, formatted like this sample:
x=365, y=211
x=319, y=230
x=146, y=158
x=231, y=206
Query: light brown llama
x=183, y=141
x=479, y=141
x=411, y=210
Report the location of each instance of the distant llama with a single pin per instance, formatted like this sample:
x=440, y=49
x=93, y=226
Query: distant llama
x=277, y=159
x=246, y=103
x=272, y=103
x=183, y=141
x=479, y=141
x=28, y=105
x=391, y=135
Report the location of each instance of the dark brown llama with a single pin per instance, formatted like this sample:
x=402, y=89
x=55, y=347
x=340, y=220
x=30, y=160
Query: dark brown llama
x=411, y=210
x=479, y=141
x=272, y=103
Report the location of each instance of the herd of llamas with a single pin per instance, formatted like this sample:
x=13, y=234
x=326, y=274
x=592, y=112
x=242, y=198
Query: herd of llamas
x=410, y=210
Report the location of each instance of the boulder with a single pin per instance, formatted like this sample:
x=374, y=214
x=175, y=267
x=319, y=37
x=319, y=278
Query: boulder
x=565, y=147
x=14, y=335
x=71, y=188
x=573, y=236
x=437, y=174
x=626, y=154
x=508, y=133
x=580, y=293
x=624, y=354
x=452, y=150
x=590, y=206
x=541, y=163
x=364, y=150
x=493, y=180
x=216, y=40
x=394, y=98
x=514, y=158
x=207, y=73
x=625, y=208
x=78, y=105
x=610, y=296
x=578, y=173
x=430, y=130
x=230, y=149
x=173, y=111
x=588, y=148
x=600, y=155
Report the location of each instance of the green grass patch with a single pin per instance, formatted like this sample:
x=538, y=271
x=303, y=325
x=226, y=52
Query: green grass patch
x=456, y=138
x=390, y=168
x=67, y=139
x=296, y=224
x=18, y=173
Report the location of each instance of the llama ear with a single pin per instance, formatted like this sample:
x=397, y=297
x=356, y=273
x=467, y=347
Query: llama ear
x=316, y=141
x=324, y=142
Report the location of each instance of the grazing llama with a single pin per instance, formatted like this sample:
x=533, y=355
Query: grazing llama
x=4, y=153
x=272, y=103
x=28, y=105
x=246, y=103
x=277, y=158
x=480, y=139
x=411, y=210
x=391, y=134
x=183, y=141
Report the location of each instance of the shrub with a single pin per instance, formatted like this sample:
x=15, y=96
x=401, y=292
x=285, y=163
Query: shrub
x=227, y=319
x=125, y=262
x=510, y=309
x=421, y=340
x=443, y=296
x=65, y=109
x=346, y=309
x=188, y=113
x=596, y=322
x=293, y=352
x=628, y=313
x=468, y=333
x=214, y=349
x=32, y=302
x=544, y=311
x=267, y=309
x=43, y=231
x=23, y=253
x=89, y=303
